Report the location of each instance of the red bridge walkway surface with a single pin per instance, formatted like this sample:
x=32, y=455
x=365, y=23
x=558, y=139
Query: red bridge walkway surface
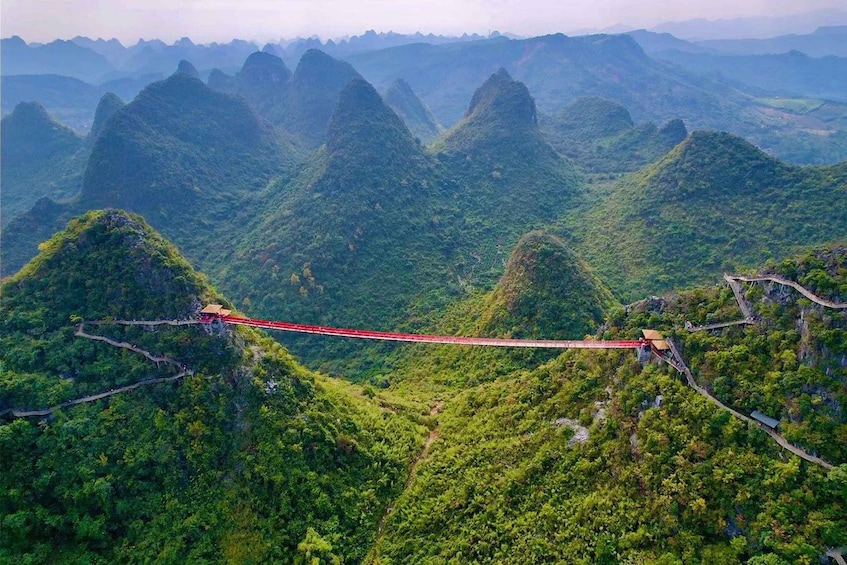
x=423, y=338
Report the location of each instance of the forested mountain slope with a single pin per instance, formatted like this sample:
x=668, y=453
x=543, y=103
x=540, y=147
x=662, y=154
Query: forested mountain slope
x=301, y=103
x=376, y=226
x=402, y=99
x=248, y=457
x=546, y=292
x=322, y=247
x=108, y=106
x=40, y=158
x=178, y=143
x=714, y=203
x=188, y=158
x=595, y=458
x=600, y=136
x=513, y=178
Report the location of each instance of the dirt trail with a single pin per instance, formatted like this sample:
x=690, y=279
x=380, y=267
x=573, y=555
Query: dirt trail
x=434, y=411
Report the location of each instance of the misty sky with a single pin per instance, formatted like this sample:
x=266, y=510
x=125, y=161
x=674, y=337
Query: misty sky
x=221, y=20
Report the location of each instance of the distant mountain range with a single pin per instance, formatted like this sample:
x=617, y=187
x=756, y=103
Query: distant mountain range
x=757, y=27
x=787, y=104
x=827, y=40
x=557, y=69
x=100, y=60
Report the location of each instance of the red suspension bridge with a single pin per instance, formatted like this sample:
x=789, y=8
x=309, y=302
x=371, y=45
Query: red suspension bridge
x=651, y=340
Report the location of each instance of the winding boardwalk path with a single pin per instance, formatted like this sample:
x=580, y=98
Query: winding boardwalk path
x=692, y=328
x=683, y=368
x=148, y=322
x=739, y=296
x=732, y=281
x=742, y=305
x=80, y=332
x=20, y=413
x=811, y=296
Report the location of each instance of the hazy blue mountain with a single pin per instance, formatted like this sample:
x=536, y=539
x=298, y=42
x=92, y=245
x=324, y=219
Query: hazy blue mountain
x=179, y=143
x=788, y=73
x=301, y=102
x=109, y=104
x=600, y=136
x=262, y=80
x=187, y=68
x=557, y=69
x=370, y=41
x=112, y=49
x=653, y=42
x=753, y=26
x=58, y=57
x=313, y=93
x=72, y=101
x=826, y=40
x=157, y=57
x=40, y=157
x=402, y=99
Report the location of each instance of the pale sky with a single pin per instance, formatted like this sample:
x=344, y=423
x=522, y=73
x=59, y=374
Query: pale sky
x=221, y=20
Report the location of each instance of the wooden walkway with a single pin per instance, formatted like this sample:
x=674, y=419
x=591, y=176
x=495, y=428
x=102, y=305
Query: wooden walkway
x=746, y=311
x=739, y=297
x=837, y=553
x=683, y=368
x=80, y=332
x=22, y=413
x=148, y=322
x=773, y=278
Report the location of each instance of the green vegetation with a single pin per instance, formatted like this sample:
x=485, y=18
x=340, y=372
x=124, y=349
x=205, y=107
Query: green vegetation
x=421, y=123
x=301, y=103
x=180, y=143
x=252, y=459
x=107, y=107
x=589, y=457
x=715, y=203
x=600, y=136
x=546, y=292
x=190, y=159
x=674, y=480
x=40, y=158
x=445, y=454
x=375, y=232
x=593, y=458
